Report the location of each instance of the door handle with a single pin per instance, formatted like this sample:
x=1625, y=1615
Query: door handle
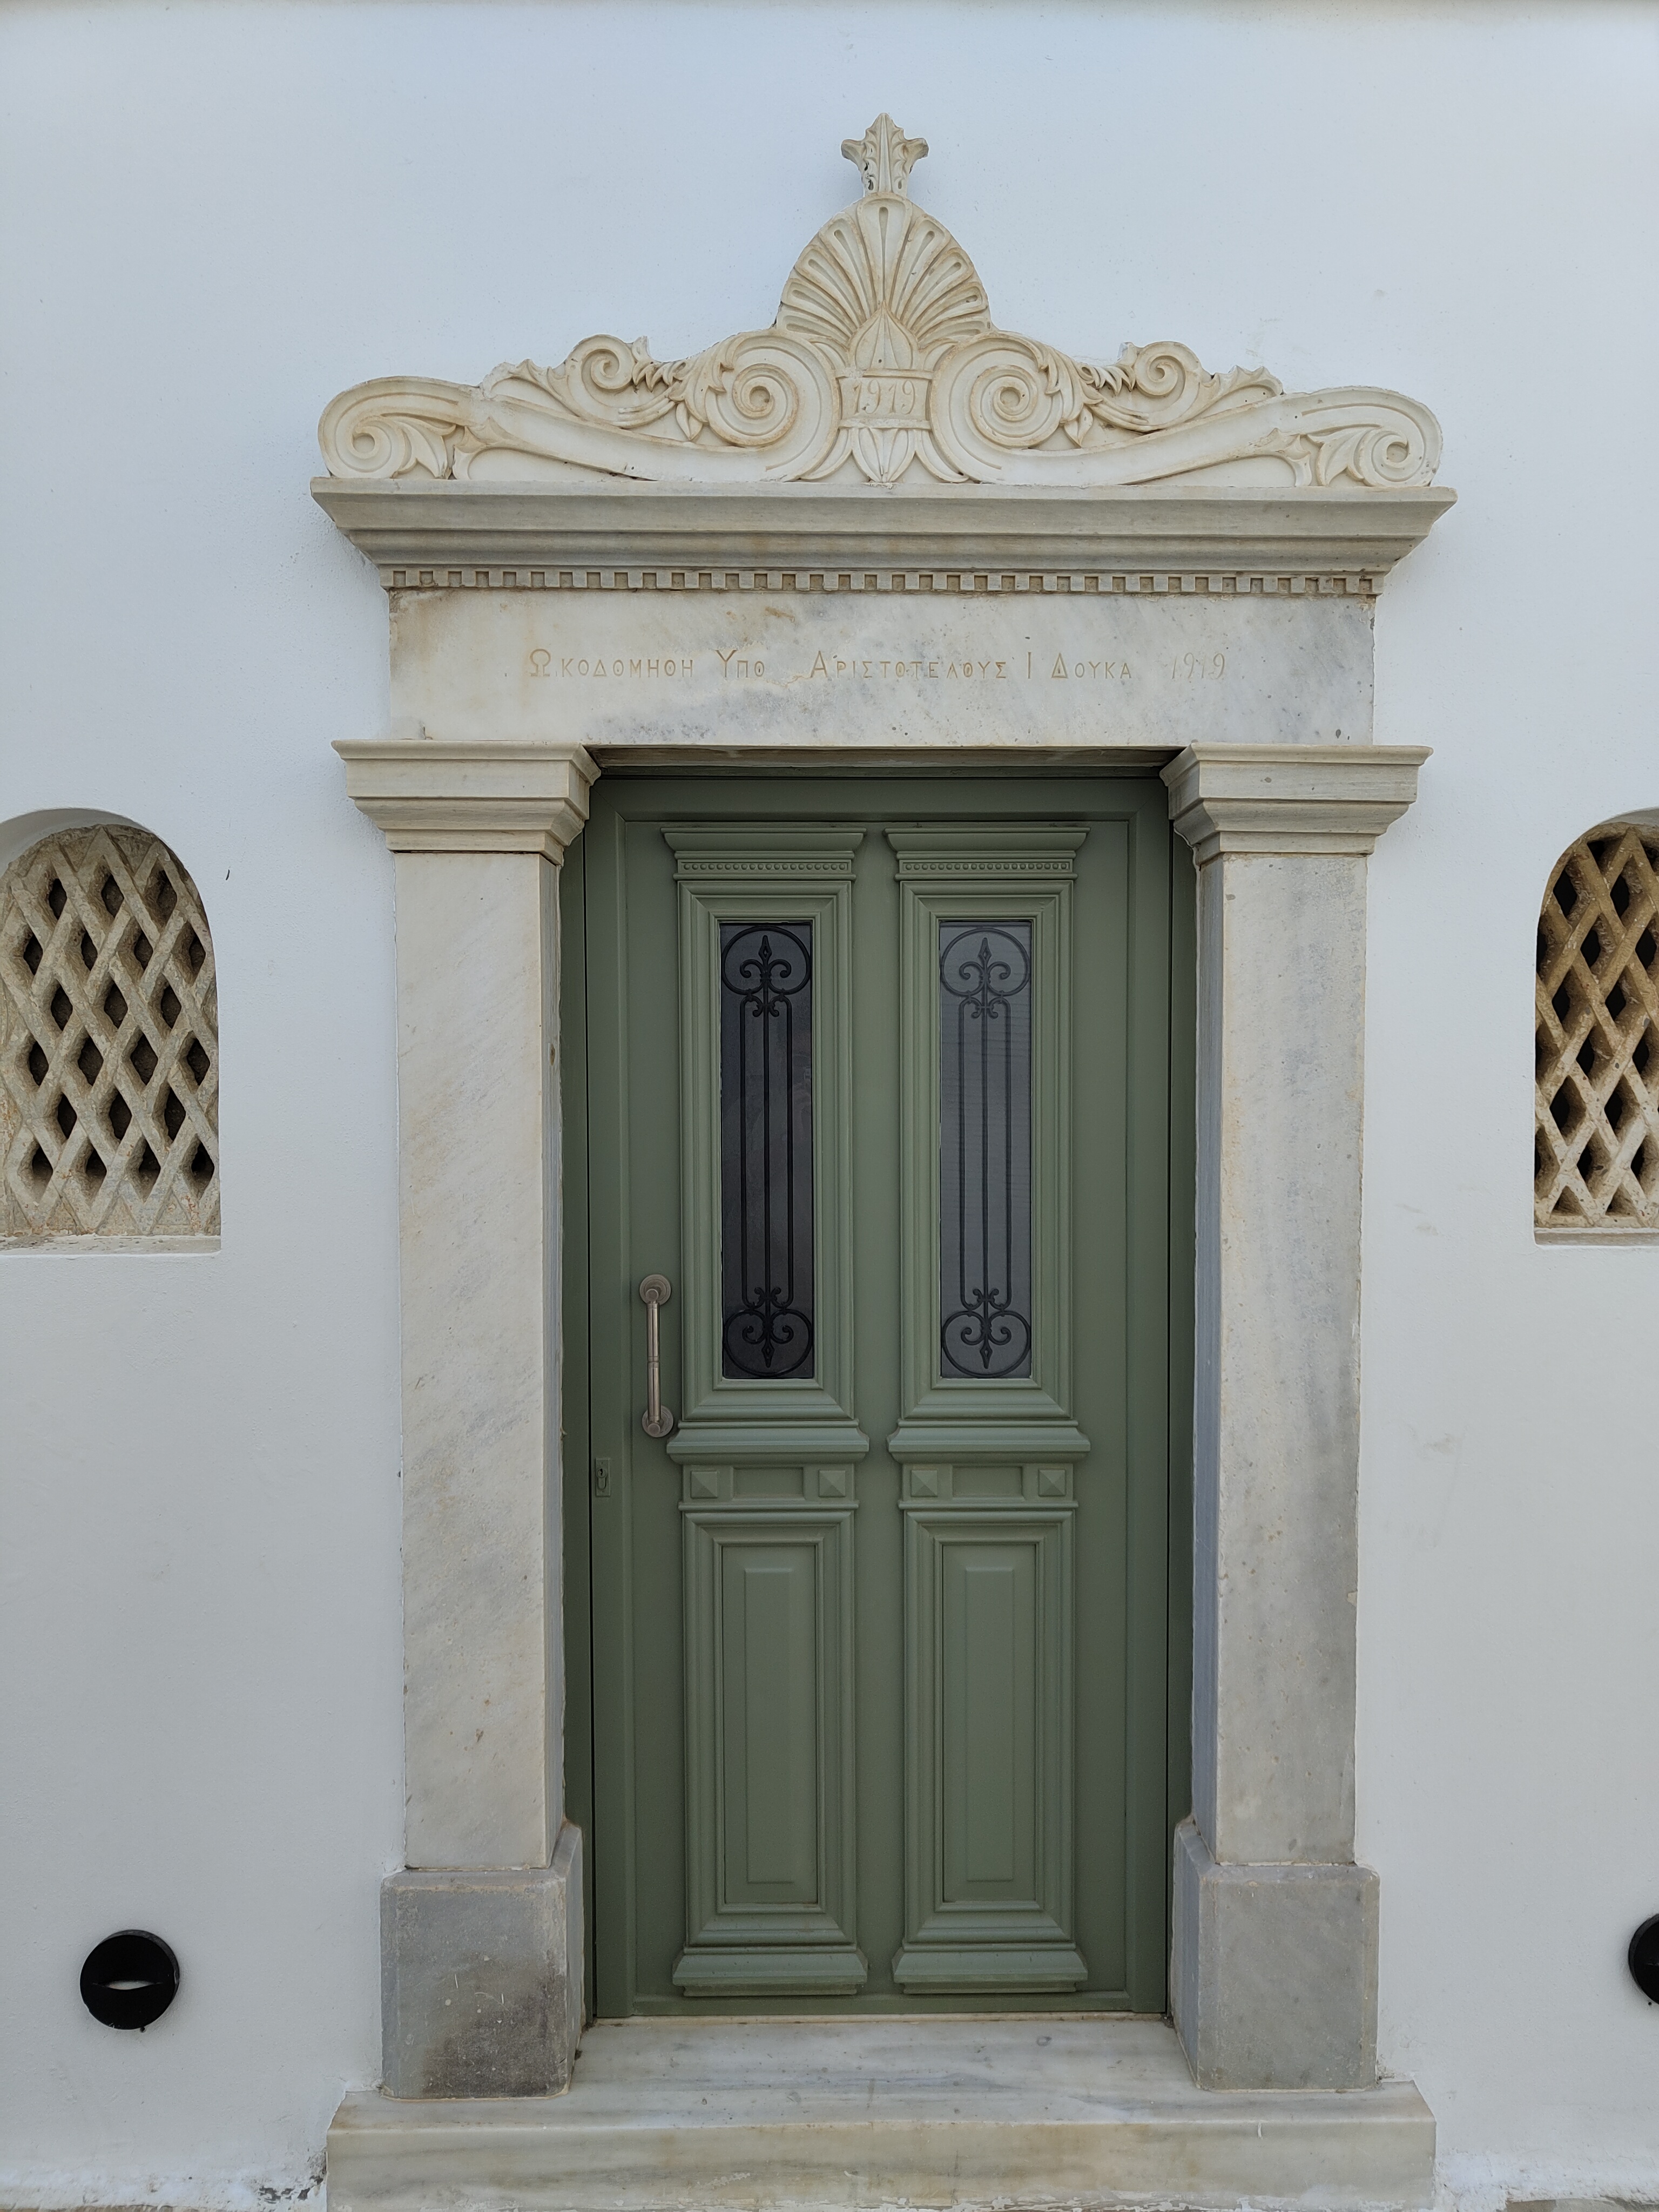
x=656, y=1420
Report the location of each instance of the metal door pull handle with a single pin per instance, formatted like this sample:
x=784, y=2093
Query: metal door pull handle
x=656, y=1420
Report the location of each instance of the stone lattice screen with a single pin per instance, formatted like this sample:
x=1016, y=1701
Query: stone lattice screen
x=1596, y=1153
x=109, y=1042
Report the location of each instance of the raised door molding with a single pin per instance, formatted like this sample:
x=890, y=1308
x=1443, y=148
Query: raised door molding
x=737, y=872
x=771, y=1837
x=967, y=870
x=989, y=1670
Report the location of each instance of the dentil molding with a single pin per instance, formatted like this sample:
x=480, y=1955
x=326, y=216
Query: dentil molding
x=882, y=434
x=1290, y=799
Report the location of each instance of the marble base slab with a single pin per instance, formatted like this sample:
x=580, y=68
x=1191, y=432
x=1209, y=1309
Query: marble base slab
x=705, y=2115
x=761, y=668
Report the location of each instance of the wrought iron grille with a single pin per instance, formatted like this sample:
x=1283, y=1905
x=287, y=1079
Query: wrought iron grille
x=985, y=1148
x=766, y=1149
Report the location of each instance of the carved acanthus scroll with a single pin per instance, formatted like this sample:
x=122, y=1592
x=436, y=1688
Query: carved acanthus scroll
x=883, y=359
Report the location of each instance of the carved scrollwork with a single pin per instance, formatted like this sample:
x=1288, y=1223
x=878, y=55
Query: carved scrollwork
x=1155, y=387
x=605, y=381
x=883, y=359
x=393, y=426
x=1346, y=433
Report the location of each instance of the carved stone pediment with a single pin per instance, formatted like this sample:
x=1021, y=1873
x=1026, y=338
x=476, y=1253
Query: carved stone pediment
x=883, y=365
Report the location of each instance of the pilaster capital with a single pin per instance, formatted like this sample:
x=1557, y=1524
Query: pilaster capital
x=1290, y=799
x=471, y=795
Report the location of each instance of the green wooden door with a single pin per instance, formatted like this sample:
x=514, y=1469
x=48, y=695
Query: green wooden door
x=871, y=1695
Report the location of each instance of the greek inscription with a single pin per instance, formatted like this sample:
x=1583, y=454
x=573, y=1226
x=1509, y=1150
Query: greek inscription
x=1082, y=671
x=922, y=669
x=741, y=663
x=647, y=667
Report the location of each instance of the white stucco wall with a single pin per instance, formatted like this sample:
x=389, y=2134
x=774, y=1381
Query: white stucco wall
x=212, y=218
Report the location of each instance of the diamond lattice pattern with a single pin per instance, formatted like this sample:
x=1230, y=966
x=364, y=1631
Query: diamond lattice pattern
x=109, y=1042
x=1597, y=1155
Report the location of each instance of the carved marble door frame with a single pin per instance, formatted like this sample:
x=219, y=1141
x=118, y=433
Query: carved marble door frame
x=1274, y=1972
x=1020, y=557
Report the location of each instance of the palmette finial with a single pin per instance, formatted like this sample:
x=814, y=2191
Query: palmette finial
x=884, y=156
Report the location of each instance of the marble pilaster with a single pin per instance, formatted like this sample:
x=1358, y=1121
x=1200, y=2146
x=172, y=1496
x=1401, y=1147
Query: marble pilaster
x=1274, y=1975
x=491, y=1895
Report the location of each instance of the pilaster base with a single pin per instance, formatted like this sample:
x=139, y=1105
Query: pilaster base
x=1274, y=1984
x=481, y=1978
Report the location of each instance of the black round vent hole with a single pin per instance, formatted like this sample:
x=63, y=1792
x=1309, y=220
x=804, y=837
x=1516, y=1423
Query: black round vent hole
x=1644, y=1958
x=130, y=1979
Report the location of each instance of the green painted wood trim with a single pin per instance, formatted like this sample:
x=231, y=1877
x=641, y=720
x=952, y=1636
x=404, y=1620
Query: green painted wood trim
x=752, y=1488
x=809, y=1971
x=767, y=1441
x=577, y=1472
x=996, y=1970
x=969, y=1441
x=612, y=1303
x=739, y=873
x=771, y=1780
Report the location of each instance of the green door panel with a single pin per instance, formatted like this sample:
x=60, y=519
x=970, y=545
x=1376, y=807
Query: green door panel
x=869, y=1660
x=770, y=1746
x=988, y=1752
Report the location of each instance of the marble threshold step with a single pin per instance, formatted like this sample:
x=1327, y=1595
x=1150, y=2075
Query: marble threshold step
x=747, y=2115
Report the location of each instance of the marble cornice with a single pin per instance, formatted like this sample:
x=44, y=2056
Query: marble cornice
x=627, y=536
x=475, y=795
x=1289, y=799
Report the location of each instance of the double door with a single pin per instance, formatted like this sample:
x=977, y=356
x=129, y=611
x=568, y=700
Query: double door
x=868, y=1096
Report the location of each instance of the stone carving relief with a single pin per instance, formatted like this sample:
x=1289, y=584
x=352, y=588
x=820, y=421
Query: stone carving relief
x=883, y=364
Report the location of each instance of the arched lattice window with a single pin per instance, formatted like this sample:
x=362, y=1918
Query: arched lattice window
x=109, y=1042
x=1596, y=1153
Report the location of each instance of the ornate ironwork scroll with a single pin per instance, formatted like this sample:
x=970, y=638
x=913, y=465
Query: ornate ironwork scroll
x=766, y=1149
x=984, y=1147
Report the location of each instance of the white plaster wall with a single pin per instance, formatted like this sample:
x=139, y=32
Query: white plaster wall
x=212, y=217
